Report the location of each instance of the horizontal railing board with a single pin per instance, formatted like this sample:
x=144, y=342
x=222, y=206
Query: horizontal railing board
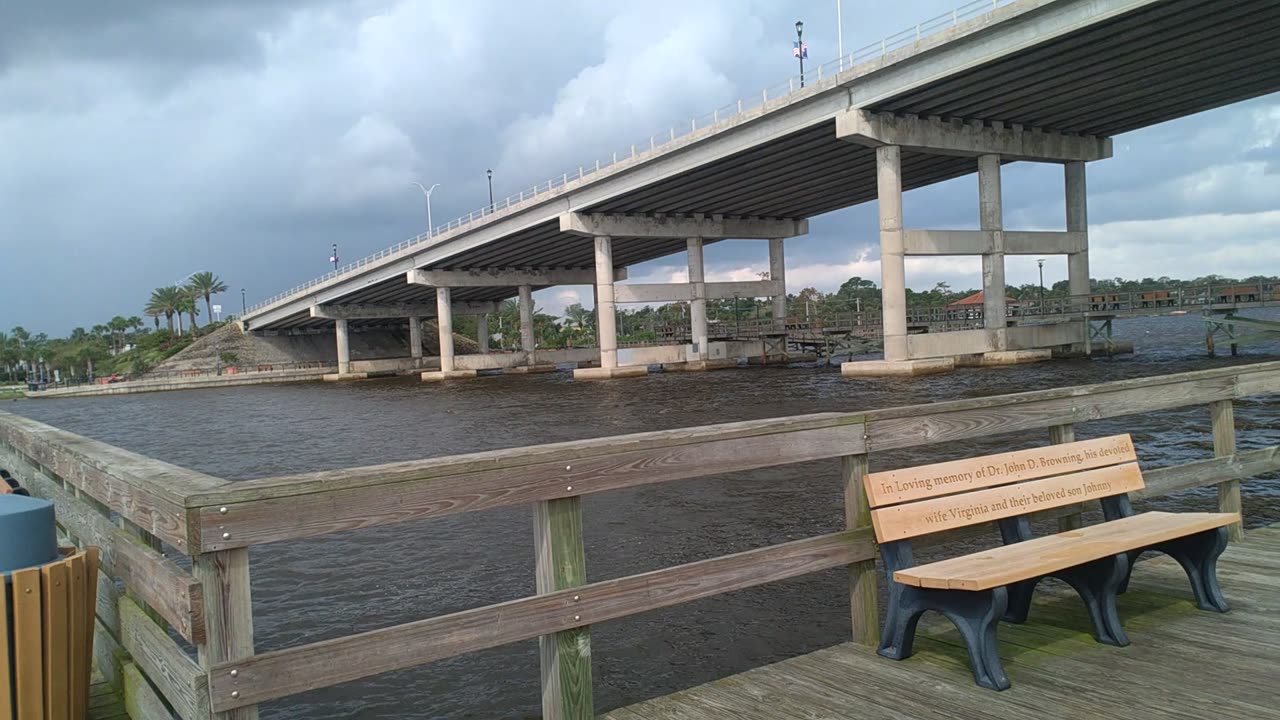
x=140, y=698
x=241, y=524
x=1259, y=378
x=343, y=500
x=507, y=458
x=1252, y=385
x=946, y=422
x=294, y=670
x=148, y=492
x=1262, y=377
x=162, y=585
x=178, y=678
x=1240, y=466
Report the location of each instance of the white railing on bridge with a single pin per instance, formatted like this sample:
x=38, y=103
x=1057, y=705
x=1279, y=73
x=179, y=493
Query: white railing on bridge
x=794, y=84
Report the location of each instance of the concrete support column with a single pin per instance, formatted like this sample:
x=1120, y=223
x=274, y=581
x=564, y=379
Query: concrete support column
x=606, y=320
x=893, y=268
x=415, y=336
x=778, y=273
x=698, y=306
x=991, y=217
x=1077, y=221
x=344, y=347
x=482, y=332
x=526, y=322
x=444, y=319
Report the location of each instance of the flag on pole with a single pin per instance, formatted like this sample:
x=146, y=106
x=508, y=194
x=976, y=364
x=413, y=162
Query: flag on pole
x=800, y=50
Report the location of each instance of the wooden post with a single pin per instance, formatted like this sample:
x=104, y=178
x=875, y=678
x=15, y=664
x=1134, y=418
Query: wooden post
x=566, y=655
x=228, y=609
x=1224, y=443
x=863, y=608
x=1059, y=434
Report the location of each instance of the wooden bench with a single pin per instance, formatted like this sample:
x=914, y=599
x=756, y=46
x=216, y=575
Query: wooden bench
x=978, y=590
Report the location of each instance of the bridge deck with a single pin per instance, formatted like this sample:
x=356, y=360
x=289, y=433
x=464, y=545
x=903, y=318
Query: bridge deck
x=1183, y=663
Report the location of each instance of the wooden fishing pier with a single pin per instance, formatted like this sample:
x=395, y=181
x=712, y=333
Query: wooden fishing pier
x=182, y=641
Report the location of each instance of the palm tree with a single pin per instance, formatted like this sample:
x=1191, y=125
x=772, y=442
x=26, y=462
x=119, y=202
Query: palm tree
x=206, y=284
x=118, y=325
x=187, y=304
x=164, y=301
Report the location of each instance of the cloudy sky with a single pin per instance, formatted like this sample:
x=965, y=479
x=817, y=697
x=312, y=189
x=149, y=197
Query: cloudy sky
x=142, y=141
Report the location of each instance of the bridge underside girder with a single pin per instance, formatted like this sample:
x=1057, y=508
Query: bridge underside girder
x=1166, y=60
x=1130, y=69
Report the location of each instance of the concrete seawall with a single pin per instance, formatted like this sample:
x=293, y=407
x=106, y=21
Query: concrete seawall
x=185, y=383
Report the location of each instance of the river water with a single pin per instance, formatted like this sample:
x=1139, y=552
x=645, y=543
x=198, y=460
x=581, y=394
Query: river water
x=333, y=586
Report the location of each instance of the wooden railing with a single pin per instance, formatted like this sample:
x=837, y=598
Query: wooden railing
x=216, y=522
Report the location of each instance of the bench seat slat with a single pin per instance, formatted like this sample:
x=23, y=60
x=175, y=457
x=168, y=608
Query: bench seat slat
x=1041, y=556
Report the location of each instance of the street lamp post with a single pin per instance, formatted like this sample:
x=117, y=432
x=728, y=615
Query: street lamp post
x=426, y=193
x=489, y=174
x=243, y=307
x=801, y=51
x=333, y=258
x=1040, y=262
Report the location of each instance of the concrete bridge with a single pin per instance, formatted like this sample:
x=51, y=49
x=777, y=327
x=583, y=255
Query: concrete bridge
x=992, y=83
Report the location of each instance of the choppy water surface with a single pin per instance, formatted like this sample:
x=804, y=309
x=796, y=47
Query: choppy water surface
x=333, y=586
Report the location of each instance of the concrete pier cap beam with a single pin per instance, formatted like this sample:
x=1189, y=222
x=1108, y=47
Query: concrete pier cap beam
x=610, y=373
x=707, y=227
x=897, y=368
x=964, y=137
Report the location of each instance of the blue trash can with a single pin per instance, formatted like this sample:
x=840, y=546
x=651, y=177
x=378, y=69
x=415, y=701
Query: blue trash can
x=28, y=536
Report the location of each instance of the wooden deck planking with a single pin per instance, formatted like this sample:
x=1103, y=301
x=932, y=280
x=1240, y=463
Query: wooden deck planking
x=1183, y=662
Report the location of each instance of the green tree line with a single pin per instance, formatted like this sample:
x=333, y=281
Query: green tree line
x=122, y=346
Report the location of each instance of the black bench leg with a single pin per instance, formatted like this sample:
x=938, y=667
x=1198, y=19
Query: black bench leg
x=905, y=608
x=975, y=614
x=1198, y=555
x=1098, y=583
x=1020, y=595
x=977, y=617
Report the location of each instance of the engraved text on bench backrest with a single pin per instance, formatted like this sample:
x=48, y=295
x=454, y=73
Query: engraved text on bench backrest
x=933, y=498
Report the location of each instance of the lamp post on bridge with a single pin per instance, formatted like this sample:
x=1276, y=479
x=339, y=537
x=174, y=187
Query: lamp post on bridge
x=333, y=257
x=426, y=193
x=1040, y=262
x=489, y=174
x=801, y=51
x=243, y=307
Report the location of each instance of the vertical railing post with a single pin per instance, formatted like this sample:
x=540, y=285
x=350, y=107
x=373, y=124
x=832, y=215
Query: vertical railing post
x=228, y=609
x=1059, y=434
x=862, y=575
x=1224, y=444
x=566, y=655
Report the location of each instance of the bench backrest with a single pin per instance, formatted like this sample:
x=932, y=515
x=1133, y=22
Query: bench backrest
x=932, y=498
